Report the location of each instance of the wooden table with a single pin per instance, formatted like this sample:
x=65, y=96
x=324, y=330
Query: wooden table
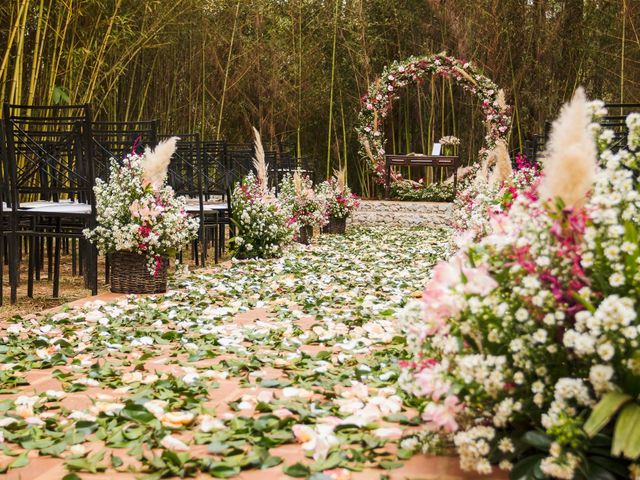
x=419, y=160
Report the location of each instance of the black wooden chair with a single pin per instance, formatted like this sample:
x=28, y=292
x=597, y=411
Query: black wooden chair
x=616, y=120
x=217, y=181
x=5, y=229
x=117, y=139
x=50, y=196
x=185, y=177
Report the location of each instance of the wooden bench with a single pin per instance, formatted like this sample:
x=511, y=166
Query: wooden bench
x=419, y=160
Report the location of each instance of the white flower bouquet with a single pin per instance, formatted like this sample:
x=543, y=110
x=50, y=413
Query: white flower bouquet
x=264, y=225
x=138, y=212
x=526, y=344
x=339, y=200
x=449, y=140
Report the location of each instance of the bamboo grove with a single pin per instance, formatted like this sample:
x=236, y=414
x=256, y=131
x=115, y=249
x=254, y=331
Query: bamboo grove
x=297, y=68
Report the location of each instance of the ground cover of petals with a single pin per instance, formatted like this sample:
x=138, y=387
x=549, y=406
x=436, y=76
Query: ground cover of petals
x=282, y=367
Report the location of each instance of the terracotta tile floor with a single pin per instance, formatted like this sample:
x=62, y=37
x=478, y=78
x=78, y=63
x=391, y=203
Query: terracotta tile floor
x=47, y=468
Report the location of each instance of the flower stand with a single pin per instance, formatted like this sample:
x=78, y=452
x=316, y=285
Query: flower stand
x=305, y=235
x=129, y=274
x=335, y=226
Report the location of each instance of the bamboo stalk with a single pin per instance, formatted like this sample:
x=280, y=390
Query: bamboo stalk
x=60, y=37
x=622, y=51
x=421, y=118
x=15, y=93
x=226, y=71
x=101, y=53
x=333, y=74
x=12, y=36
x=298, y=138
x=37, y=54
x=344, y=139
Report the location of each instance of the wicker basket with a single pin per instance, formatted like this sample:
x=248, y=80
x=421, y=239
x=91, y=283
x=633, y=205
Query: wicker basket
x=129, y=274
x=305, y=235
x=335, y=225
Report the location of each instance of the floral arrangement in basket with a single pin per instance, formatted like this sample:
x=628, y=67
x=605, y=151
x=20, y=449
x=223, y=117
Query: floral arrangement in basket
x=138, y=212
x=263, y=225
x=526, y=343
x=307, y=209
x=339, y=200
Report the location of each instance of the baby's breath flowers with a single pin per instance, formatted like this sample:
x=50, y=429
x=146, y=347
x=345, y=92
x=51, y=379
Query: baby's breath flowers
x=534, y=320
x=264, y=225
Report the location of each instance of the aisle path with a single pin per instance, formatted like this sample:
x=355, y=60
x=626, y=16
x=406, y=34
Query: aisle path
x=251, y=364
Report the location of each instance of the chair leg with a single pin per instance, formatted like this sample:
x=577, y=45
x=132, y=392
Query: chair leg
x=74, y=260
x=1, y=265
x=107, y=268
x=81, y=258
x=32, y=266
x=196, y=253
x=93, y=256
x=216, y=245
x=39, y=256
x=221, y=232
x=14, y=268
x=203, y=243
x=49, y=258
x=56, y=269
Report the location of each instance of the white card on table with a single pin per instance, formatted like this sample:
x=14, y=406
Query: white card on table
x=437, y=148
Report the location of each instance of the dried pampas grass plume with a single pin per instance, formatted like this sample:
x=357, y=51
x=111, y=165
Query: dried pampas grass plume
x=156, y=163
x=297, y=183
x=502, y=101
x=461, y=173
x=367, y=150
x=259, y=161
x=503, y=171
x=341, y=178
x=571, y=161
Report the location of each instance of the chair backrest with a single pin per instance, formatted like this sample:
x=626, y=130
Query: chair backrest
x=216, y=170
x=185, y=173
x=306, y=165
x=4, y=177
x=240, y=160
x=117, y=139
x=615, y=120
x=47, y=152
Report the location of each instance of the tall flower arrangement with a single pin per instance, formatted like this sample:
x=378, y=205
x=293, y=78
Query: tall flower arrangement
x=307, y=209
x=263, y=224
x=481, y=197
x=340, y=202
x=138, y=212
x=525, y=346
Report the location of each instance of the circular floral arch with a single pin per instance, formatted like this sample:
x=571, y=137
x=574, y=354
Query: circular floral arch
x=377, y=103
